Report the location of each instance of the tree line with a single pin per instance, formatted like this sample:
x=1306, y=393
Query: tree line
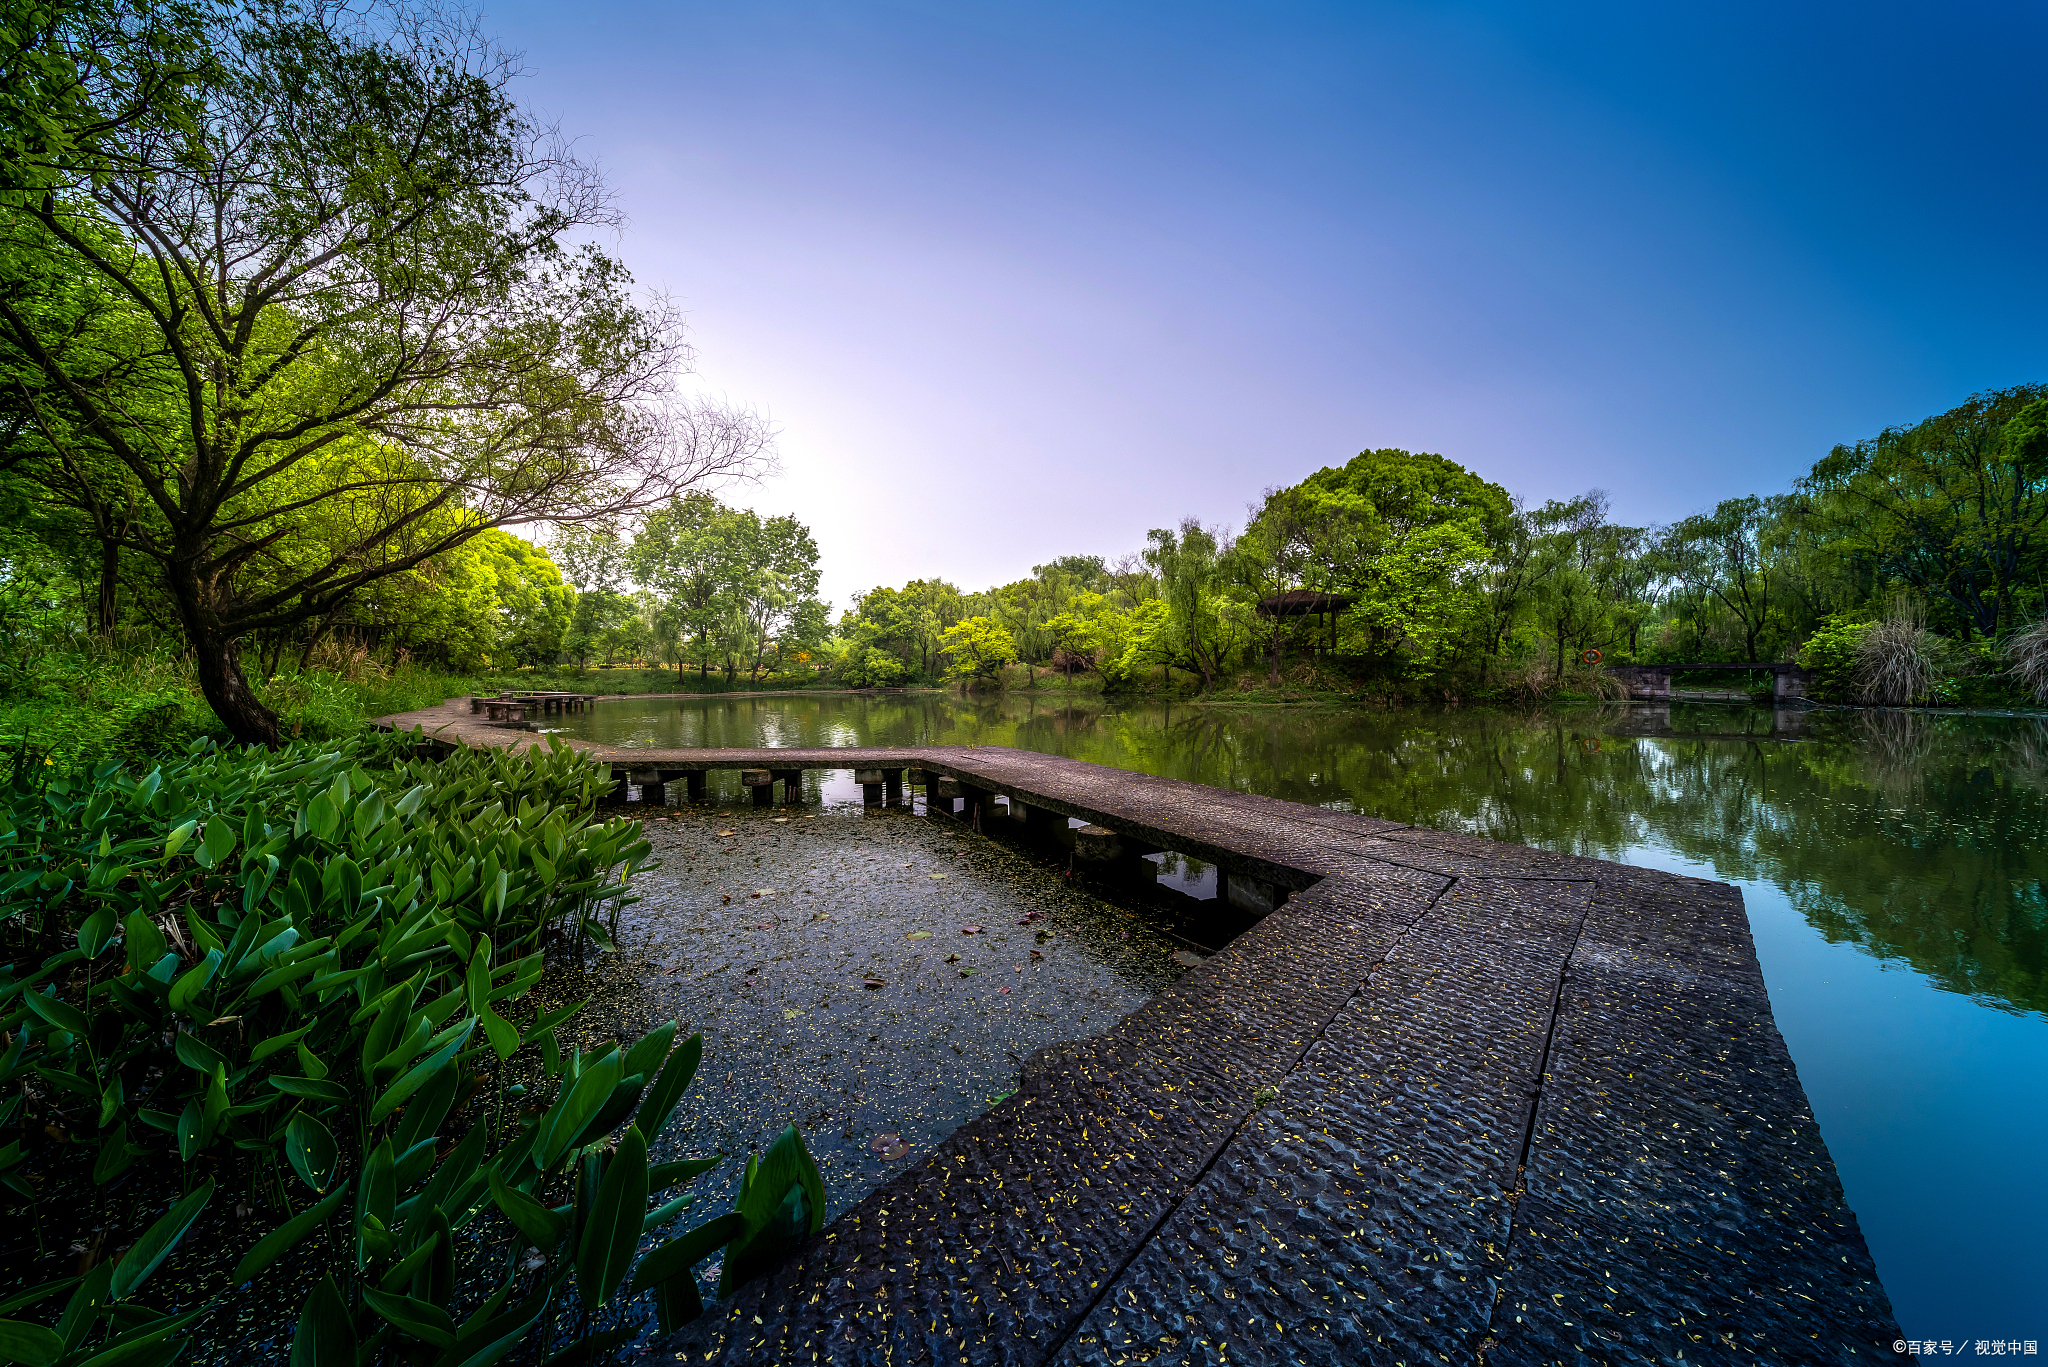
x=1920, y=549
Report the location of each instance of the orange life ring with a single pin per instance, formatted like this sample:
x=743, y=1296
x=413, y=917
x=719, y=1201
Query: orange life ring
x=1589, y=657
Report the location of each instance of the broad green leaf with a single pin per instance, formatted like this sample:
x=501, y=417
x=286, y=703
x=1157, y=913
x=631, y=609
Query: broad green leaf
x=176, y=840
x=146, y=1345
x=421, y=1073
x=277, y=1042
x=95, y=930
x=567, y=1117
x=685, y=1251
x=28, y=1343
x=504, y=1039
x=477, y=980
x=145, y=943
x=665, y=1212
x=197, y=1054
x=647, y=1053
x=428, y=1108
x=157, y=1242
x=83, y=1310
x=668, y=1089
x=376, y=1195
x=217, y=844
x=193, y=980
x=60, y=1014
x=191, y=1130
x=677, y=1302
x=114, y=1156
x=760, y=1249
x=309, y=1087
x=275, y=1244
x=428, y=1323
x=434, y=1282
x=449, y=1179
x=310, y=1148
x=541, y=1226
x=613, y=1230
x=326, y=1336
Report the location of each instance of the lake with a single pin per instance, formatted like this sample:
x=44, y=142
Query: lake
x=1894, y=865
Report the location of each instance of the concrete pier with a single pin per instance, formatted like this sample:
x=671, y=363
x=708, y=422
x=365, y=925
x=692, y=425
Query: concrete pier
x=1446, y=1101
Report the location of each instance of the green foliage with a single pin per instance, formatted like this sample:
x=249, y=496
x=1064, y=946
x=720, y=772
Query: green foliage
x=1954, y=508
x=1830, y=654
x=868, y=666
x=728, y=585
x=302, y=968
x=977, y=649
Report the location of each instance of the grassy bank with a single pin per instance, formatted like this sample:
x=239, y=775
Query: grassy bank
x=78, y=709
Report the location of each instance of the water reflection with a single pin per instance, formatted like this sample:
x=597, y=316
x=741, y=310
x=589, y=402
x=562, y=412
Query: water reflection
x=1917, y=837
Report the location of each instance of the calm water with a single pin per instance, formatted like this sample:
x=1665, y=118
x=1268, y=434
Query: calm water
x=1894, y=864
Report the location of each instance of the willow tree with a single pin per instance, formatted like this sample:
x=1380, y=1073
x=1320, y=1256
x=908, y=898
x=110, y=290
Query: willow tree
x=288, y=267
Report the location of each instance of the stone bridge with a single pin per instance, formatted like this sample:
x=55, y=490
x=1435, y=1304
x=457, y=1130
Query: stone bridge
x=1446, y=1101
x=1652, y=683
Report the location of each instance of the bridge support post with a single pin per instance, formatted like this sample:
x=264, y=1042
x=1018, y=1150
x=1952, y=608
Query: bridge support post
x=892, y=787
x=762, y=783
x=1037, y=821
x=1246, y=893
x=870, y=781
x=792, y=781
x=1097, y=845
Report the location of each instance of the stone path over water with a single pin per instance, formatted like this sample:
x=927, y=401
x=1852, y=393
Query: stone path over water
x=1453, y=1101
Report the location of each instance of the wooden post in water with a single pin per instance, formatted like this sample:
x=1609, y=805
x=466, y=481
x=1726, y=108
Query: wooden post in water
x=870, y=781
x=892, y=787
x=792, y=781
x=763, y=784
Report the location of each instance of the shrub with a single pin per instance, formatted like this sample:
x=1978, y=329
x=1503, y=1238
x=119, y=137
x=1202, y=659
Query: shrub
x=1830, y=656
x=297, y=971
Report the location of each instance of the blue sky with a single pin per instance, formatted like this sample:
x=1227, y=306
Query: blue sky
x=1018, y=281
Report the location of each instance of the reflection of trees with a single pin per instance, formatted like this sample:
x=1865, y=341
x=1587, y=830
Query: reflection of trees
x=1915, y=836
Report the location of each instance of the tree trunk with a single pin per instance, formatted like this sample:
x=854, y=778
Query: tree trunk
x=219, y=662
x=110, y=578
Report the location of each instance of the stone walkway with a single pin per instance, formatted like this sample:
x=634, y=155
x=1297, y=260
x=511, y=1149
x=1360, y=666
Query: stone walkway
x=1453, y=1101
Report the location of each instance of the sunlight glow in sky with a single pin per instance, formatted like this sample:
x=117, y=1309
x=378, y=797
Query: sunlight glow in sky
x=1024, y=280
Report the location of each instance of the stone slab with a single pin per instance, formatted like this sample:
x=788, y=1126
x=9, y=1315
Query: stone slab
x=1455, y=1101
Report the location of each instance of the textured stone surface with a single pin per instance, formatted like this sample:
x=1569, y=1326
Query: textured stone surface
x=1456, y=1101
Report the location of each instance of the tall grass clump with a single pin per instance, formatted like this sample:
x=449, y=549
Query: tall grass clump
x=273, y=1077
x=1898, y=660
x=2026, y=658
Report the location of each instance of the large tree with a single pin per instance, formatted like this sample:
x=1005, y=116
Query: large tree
x=279, y=267
x=1954, y=508
x=1408, y=534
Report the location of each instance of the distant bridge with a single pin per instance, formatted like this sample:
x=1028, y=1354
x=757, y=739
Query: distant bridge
x=1652, y=683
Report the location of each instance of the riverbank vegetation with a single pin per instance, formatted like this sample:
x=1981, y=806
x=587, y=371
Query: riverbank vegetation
x=1908, y=568
x=269, y=1031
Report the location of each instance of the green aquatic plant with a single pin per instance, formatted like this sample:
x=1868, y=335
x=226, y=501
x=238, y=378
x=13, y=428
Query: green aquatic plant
x=303, y=974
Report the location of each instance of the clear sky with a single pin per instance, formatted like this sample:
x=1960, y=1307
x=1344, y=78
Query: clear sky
x=1018, y=280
